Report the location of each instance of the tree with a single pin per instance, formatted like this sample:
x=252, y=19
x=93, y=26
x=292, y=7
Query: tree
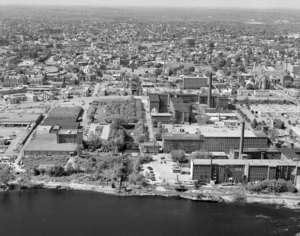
x=202, y=118
x=273, y=135
x=197, y=184
x=69, y=169
x=178, y=156
x=94, y=141
x=254, y=124
x=137, y=178
x=144, y=159
x=122, y=170
x=191, y=69
x=141, y=138
x=220, y=63
x=57, y=171
x=277, y=186
x=158, y=71
x=158, y=136
x=158, y=65
x=6, y=174
x=35, y=171
x=159, y=125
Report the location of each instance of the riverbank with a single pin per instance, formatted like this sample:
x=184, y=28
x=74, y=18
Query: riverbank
x=207, y=194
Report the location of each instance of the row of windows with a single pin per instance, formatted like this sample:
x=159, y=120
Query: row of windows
x=202, y=168
x=201, y=177
x=258, y=169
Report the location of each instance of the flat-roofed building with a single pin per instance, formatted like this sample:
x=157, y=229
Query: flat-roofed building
x=19, y=119
x=150, y=147
x=257, y=153
x=217, y=101
x=59, y=133
x=7, y=91
x=48, y=95
x=41, y=88
x=188, y=98
x=195, y=82
x=213, y=140
x=160, y=102
x=69, y=136
x=65, y=117
x=164, y=118
x=15, y=80
x=154, y=102
x=46, y=144
x=276, y=110
x=15, y=98
x=181, y=111
x=85, y=92
x=31, y=97
x=225, y=170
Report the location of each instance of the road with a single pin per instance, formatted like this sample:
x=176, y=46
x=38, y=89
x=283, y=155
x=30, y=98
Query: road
x=148, y=117
x=295, y=100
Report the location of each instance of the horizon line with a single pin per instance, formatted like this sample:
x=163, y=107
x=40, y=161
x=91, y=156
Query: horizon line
x=153, y=6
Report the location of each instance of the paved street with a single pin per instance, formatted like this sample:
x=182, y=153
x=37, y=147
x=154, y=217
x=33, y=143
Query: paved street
x=148, y=118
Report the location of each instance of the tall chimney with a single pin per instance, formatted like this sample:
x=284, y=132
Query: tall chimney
x=242, y=139
x=209, y=91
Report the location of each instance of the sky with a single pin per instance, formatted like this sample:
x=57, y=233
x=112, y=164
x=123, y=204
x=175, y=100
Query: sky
x=164, y=3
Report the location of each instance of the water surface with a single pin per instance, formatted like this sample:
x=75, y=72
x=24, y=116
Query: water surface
x=51, y=212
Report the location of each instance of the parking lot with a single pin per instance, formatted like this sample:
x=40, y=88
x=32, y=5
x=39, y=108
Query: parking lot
x=161, y=168
x=18, y=133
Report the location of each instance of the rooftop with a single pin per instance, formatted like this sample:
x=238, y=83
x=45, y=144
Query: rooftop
x=48, y=142
x=72, y=112
x=161, y=114
x=210, y=131
x=63, y=122
x=153, y=98
x=271, y=108
x=68, y=131
x=181, y=107
x=19, y=118
x=243, y=162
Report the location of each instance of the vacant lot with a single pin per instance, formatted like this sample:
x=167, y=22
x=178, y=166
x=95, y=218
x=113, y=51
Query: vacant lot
x=34, y=161
x=131, y=109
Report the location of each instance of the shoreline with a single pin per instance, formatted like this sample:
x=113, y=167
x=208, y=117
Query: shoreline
x=281, y=200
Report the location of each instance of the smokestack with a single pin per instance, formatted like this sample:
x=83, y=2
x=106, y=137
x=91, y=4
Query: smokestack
x=242, y=139
x=209, y=91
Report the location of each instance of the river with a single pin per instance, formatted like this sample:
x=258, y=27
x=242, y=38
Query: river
x=53, y=212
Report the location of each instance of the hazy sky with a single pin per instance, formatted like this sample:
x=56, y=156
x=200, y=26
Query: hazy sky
x=176, y=3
